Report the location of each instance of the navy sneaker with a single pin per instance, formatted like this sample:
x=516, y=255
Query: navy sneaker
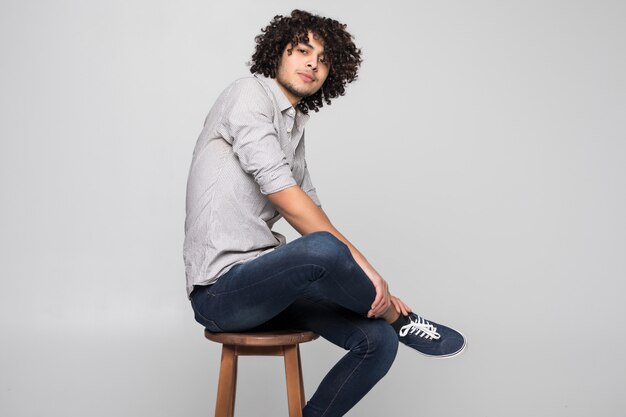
x=429, y=338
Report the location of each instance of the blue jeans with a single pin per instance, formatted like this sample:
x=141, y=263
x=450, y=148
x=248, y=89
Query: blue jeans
x=312, y=283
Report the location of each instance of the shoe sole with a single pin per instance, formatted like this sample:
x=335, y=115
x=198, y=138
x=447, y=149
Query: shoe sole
x=450, y=355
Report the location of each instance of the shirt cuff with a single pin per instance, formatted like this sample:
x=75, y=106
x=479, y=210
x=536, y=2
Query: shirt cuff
x=276, y=180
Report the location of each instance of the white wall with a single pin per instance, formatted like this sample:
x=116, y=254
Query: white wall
x=506, y=224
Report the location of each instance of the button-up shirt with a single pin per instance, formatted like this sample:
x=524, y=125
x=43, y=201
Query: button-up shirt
x=252, y=145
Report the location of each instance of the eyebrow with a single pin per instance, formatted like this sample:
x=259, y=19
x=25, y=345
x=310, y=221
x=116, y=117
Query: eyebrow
x=311, y=47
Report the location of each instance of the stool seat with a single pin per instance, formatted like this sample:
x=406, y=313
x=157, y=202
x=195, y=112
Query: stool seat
x=274, y=343
x=273, y=338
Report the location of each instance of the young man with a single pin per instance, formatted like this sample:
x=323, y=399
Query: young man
x=248, y=171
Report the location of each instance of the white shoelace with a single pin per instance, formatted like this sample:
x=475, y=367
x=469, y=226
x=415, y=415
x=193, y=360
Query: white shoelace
x=421, y=328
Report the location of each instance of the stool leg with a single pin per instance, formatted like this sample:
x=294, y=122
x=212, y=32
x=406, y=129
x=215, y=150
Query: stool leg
x=234, y=385
x=225, y=404
x=294, y=381
x=302, y=399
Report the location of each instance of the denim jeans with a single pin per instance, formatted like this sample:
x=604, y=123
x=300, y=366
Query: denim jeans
x=312, y=283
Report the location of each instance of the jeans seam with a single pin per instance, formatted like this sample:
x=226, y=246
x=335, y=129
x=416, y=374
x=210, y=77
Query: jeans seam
x=195, y=309
x=338, y=282
x=351, y=373
x=215, y=294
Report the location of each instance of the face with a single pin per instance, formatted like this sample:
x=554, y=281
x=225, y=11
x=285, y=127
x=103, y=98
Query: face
x=303, y=72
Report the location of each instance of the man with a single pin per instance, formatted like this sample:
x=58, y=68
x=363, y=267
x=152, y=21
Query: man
x=248, y=171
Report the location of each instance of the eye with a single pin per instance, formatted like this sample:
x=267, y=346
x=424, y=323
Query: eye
x=323, y=60
x=302, y=51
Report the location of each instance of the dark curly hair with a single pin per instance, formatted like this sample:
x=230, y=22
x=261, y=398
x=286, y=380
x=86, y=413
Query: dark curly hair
x=343, y=56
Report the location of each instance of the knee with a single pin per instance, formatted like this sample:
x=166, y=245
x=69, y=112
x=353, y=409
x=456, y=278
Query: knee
x=324, y=248
x=385, y=341
x=323, y=238
x=378, y=339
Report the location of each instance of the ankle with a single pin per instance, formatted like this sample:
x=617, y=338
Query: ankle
x=390, y=315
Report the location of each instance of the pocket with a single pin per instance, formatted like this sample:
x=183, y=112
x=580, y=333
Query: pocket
x=200, y=318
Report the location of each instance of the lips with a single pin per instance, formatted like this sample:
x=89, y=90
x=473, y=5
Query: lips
x=306, y=77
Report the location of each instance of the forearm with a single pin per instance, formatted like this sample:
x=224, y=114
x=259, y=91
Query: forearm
x=303, y=215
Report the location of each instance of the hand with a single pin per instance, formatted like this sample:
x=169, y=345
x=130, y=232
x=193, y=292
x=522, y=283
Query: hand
x=382, y=301
x=400, y=306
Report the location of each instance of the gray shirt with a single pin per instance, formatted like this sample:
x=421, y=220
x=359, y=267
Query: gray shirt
x=252, y=145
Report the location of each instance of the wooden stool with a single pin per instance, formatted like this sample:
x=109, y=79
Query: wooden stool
x=277, y=343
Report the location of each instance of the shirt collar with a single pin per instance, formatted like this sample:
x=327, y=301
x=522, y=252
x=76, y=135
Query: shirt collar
x=282, y=100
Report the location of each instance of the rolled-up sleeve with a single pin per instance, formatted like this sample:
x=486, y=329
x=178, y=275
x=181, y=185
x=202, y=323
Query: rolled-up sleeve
x=247, y=123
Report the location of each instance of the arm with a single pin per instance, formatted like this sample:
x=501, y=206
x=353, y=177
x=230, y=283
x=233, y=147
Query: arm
x=306, y=217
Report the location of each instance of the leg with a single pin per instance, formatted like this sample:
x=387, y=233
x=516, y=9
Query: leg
x=372, y=346
x=317, y=265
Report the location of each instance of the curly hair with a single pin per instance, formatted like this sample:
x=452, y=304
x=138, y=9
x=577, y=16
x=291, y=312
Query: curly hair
x=343, y=56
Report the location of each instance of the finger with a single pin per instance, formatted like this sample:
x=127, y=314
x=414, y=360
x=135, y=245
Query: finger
x=383, y=303
x=377, y=310
x=377, y=299
x=400, y=306
x=393, y=303
x=381, y=308
x=384, y=306
x=374, y=313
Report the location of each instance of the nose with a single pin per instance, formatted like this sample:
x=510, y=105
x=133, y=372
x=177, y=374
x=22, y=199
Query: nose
x=312, y=63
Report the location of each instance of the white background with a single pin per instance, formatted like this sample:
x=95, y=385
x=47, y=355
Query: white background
x=478, y=163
